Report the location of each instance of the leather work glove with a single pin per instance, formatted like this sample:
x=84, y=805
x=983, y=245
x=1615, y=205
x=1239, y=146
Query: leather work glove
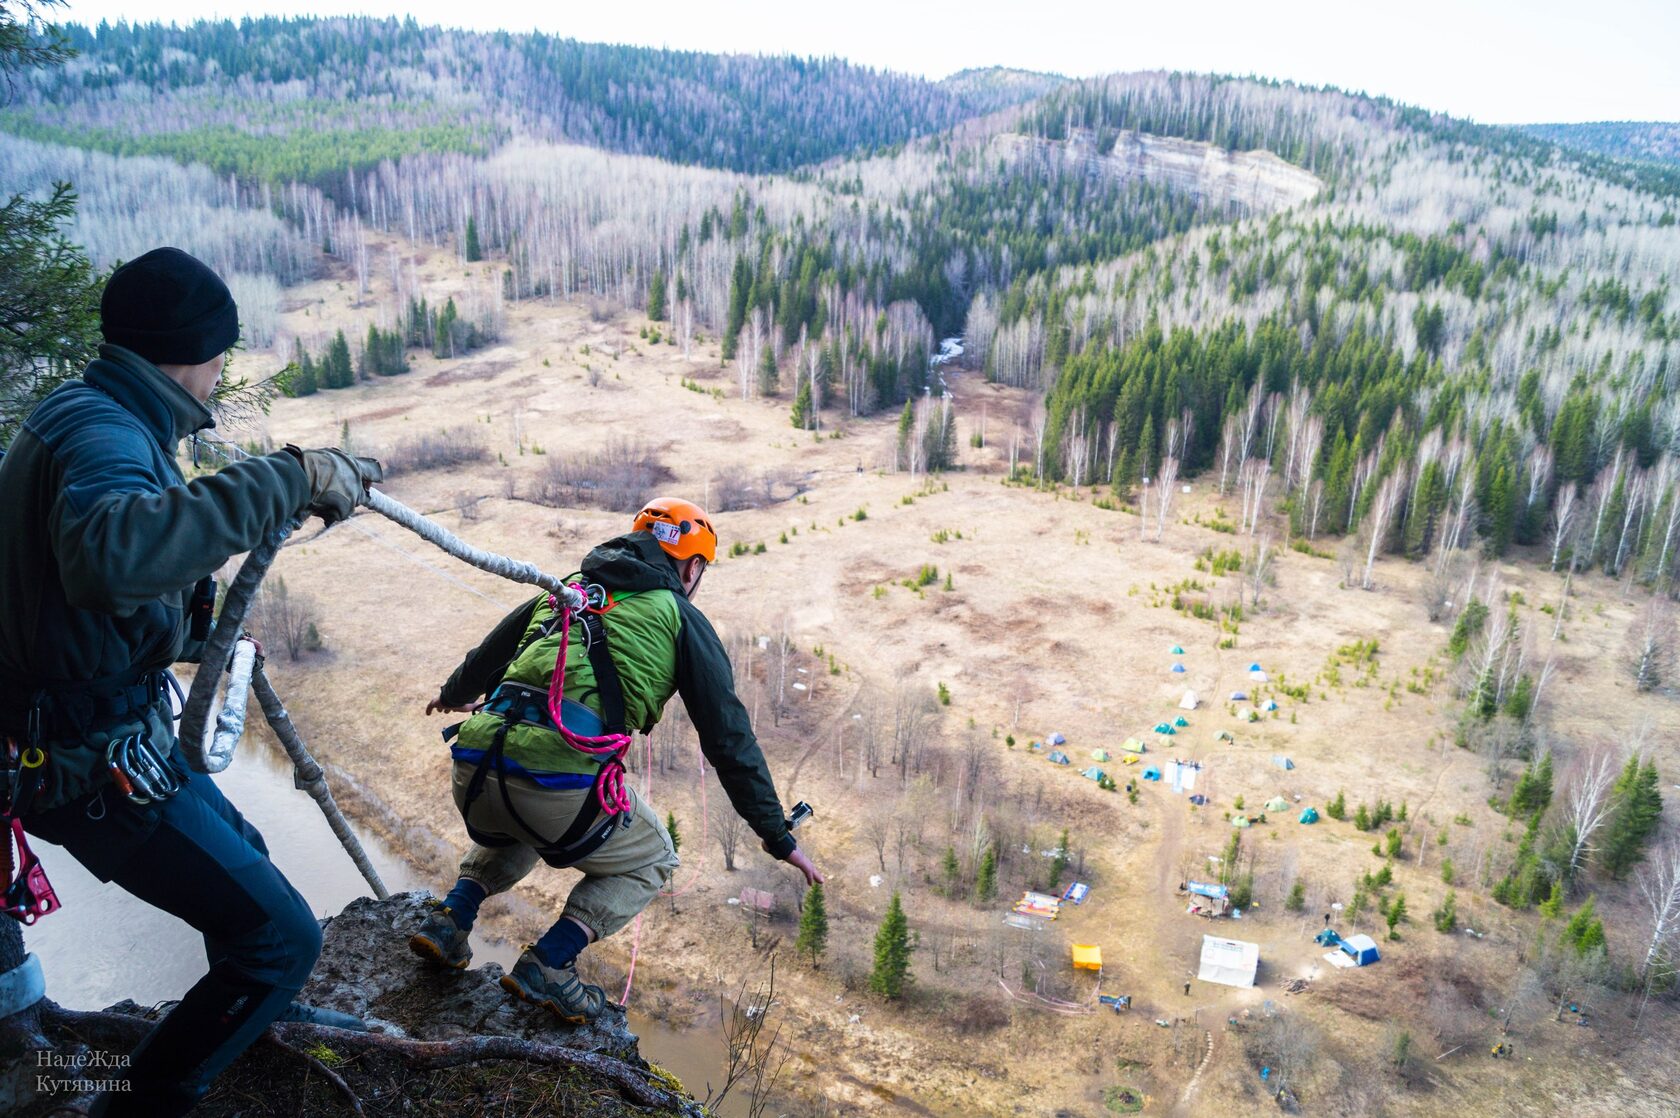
x=338, y=483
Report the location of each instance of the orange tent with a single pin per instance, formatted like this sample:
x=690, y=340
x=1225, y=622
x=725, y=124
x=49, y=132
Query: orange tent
x=1087, y=957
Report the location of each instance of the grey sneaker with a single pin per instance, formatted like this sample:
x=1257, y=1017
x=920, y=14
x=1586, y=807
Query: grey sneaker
x=315, y=1015
x=440, y=940
x=558, y=990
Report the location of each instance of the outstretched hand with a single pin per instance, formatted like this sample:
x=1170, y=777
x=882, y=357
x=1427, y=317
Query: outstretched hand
x=800, y=862
x=437, y=706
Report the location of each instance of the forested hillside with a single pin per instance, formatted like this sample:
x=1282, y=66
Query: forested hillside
x=306, y=99
x=1426, y=331
x=1651, y=140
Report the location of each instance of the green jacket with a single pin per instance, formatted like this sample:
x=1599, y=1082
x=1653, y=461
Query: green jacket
x=661, y=645
x=101, y=539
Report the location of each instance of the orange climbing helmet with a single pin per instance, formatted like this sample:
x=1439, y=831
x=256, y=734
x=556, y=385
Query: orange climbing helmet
x=682, y=528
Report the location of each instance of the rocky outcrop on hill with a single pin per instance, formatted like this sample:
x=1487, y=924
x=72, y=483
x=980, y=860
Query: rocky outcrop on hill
x=442, y=1043
x=1242, y=183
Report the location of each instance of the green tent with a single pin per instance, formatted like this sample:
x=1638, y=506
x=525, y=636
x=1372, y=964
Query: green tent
x=1240, y=821
x=1277, y=803
x=1132, y=745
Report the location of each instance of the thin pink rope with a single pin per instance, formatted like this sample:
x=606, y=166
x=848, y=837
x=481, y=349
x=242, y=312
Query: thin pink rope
x=609, y=785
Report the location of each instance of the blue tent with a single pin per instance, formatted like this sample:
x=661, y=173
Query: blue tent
x=1056, y=739
x=1178, y=668
x=1093, y=773
x=1152, y=773
x=1177, y=651
x=1165, y=728
x=1268, y=705
x=1239, y=696
x=1362, y=948
x=1057, y=757
x=1181, y=721
x=1254, y=667
x=1310, y=815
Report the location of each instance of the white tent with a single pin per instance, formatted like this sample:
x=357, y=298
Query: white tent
x=1258, y=677
x=1189, y=702
x=1229, y=962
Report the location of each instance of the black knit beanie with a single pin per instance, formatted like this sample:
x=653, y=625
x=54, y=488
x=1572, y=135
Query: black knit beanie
x=169, y=308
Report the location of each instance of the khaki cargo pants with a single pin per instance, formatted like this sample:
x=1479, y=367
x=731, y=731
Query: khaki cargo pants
x=620, y=878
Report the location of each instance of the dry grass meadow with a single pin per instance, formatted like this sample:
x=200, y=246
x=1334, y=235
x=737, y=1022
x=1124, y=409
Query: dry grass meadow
x=1058, y=619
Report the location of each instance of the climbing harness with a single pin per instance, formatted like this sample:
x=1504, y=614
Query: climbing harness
x=518, y=705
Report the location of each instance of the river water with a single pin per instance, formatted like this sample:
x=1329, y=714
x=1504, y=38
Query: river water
x=105, y=945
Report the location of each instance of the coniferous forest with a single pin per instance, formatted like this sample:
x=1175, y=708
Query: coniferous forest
x=1425, y=332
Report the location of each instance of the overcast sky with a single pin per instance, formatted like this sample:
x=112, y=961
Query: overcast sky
x=1497, y=61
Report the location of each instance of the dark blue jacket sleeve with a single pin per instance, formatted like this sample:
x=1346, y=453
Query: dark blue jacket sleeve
x=124, y=537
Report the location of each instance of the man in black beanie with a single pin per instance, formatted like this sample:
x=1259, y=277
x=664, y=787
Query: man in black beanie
x=103, y=546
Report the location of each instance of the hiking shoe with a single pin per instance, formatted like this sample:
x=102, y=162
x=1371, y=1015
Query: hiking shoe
x=556, y=989
x=315, y=1015
x=440, y=940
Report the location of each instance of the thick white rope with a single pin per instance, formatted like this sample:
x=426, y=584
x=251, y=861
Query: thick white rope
x=307, y=775
x=514, y=570
x=230, y=723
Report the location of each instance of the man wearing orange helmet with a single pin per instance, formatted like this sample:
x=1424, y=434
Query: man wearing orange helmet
x=531, y=789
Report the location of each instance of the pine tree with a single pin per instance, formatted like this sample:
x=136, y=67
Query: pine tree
x=1533, y=791
x=1446, y=917
x=813, y=926
x=474, y=252
x=1635, y=812
x=892, y=952
x=952, y=870
x=1361, y=818
x=671, y=829
x=1338, y=807
x=740, y=283
x=301, y=381
x=985, y=880
x=1297, y=901
x=802, y=414
x=656, y=296
x=768, y=374
x=1059, y=864
x=337, y=371
x=1396, y=914
x=906, y=423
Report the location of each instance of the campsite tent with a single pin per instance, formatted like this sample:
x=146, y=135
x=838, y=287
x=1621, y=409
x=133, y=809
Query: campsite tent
x=1189, y=702
x=1362, y=948
x=1240, y=821
x=1258, y=677
x=1181, y=721
x=1132, y=745
x=1229, y=962
x=1310, y=815
x=1177, y=651
x=1239, y=696
x=1254, y=667
x=1129, y=759
x=1249, y=714
x=1277, y=803
x=1099, y=754
x=1057, y=757
x=1225, y=735
x=1203, y=889
x=1056, y=739
x=1269, y=704
x=1087, y=957
x=1279, y=761
x=1178, y=669
x=1093, y=773
x=1165, y=728
x=1152, y=773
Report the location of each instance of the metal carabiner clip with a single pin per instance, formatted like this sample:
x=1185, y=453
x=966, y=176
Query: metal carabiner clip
x=116, y=763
